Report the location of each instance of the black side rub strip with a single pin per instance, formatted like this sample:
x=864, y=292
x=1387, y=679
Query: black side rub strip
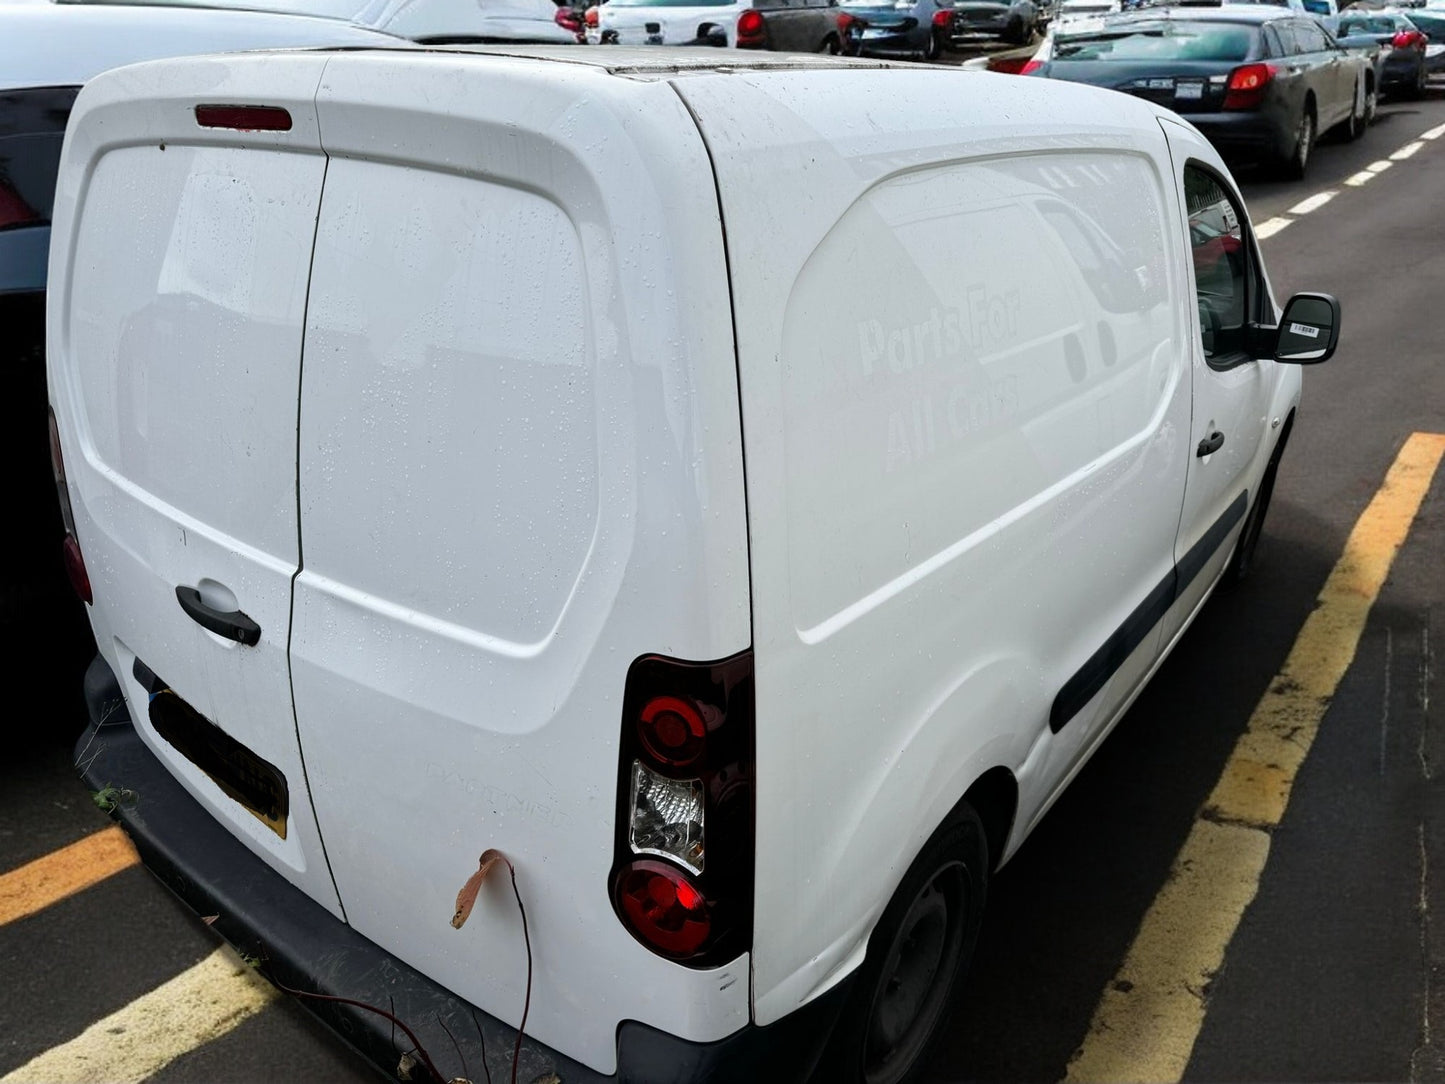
x=1095, y=674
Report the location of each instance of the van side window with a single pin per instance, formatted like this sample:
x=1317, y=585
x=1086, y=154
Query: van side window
x=1223, y=276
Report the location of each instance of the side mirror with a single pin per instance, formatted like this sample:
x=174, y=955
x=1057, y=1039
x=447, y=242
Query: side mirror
x=1309, y=330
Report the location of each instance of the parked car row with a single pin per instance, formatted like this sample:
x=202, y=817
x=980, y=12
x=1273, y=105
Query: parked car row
x=1262, y=81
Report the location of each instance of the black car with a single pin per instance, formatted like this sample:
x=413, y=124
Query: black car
x=1261, y=83
x=1403, y=67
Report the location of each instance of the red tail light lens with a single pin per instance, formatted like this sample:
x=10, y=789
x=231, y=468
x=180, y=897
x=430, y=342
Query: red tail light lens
x=1031, y=67
x=941, y=19
x=751, y=29
x=568, y=19
x=671, y=730
x=1409, y=39
x=1247, y=85
x=682, y=875
x=75, y=569
x=74, y=559
x=590, y=16
x=245, y=118
x=664, y=907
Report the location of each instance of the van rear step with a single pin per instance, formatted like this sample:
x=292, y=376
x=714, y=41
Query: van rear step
x=302, y=946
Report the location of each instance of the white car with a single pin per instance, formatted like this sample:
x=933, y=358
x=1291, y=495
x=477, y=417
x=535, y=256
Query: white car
x=737, y=493
x=803, y=26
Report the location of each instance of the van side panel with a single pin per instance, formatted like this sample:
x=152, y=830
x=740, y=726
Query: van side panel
x=965, y=395
x=177, y=308
x=520, y=469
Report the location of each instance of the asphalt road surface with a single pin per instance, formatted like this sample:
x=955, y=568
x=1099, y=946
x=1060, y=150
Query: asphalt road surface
x=1331, y=973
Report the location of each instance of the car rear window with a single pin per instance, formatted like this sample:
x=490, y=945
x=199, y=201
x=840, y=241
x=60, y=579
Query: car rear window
x=1376, y=24
x=1432, y=24
x=1159, y=41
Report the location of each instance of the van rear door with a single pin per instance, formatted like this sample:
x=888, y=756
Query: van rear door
x=176, y=353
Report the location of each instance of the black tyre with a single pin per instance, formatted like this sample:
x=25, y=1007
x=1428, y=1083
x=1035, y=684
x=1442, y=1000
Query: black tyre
x=1016, y=31
x=831, y=45
x=1297, y=160
x=917, y=951
x=1416, y=90
x=935, y=47
x=1242, y=563
x=1359, y=113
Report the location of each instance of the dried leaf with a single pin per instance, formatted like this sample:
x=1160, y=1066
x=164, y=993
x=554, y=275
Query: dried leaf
x=467, y=897
x=209, y=919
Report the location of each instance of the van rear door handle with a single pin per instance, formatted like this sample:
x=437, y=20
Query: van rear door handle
x=1210, y=444
x=232, y=624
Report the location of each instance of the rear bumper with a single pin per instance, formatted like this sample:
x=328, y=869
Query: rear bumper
x=301, y=945
x=1245, y=135
x=890, y=42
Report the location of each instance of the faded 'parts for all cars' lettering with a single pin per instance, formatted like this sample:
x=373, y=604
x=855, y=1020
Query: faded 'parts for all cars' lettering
x=988, y=321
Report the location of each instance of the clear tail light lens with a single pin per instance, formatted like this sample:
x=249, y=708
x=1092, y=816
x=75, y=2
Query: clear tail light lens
x=667, y=817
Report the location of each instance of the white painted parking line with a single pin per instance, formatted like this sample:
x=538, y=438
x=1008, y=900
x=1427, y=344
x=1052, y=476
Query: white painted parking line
x=1362, y=177
x=198, y=1005
x=1313, y=203
x=1405, y=151
x=1433, y=133
x=1271, y=226
x=1379, y=167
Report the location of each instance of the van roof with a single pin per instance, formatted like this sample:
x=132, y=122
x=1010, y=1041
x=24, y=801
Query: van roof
x=653, y=61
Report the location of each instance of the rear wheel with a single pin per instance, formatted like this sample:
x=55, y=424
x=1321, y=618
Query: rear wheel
x=1017, y=32
x=935, y=46
x=1359, y=115
x=919, y=947
x=1298, y=158
x=1417, y=88
x=831, y=45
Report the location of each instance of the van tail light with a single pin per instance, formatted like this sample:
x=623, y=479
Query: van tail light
x=1032, y=66
x=1409, y=39
x=941, y=19
x=70, y=547
x=752, y=32
x=1247, y=85
x=682, y=875
x=568, y=19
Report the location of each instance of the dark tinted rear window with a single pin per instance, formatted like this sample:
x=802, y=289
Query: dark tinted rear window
x=1173, y=40
x=32, y=126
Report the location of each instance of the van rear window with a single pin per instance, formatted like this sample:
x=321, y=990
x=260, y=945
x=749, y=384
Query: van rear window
x=1160, y=41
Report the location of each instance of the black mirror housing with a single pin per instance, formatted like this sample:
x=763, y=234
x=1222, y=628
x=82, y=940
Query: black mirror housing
x=1309, y=330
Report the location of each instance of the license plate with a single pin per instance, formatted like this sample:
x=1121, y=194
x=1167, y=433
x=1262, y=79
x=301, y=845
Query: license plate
x=1188, y=91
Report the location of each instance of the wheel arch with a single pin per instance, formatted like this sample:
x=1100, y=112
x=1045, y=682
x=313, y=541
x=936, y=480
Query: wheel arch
x=994, y=796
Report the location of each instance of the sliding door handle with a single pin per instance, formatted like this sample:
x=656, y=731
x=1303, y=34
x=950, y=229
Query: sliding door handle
x=1210, y=444
x=232, y=624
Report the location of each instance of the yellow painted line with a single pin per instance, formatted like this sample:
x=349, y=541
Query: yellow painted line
x=1149, y=1016
x=1362, y=177
x=1312, y=203
x=1271, y=226
x=1434, y=133
x=1406, y=151
x=197, y=1006
x=36, y=885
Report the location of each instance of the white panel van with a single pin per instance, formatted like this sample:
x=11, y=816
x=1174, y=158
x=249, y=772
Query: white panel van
x=698, y=478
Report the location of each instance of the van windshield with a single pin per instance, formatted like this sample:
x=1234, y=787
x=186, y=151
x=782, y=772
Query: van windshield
x=1159, y=41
